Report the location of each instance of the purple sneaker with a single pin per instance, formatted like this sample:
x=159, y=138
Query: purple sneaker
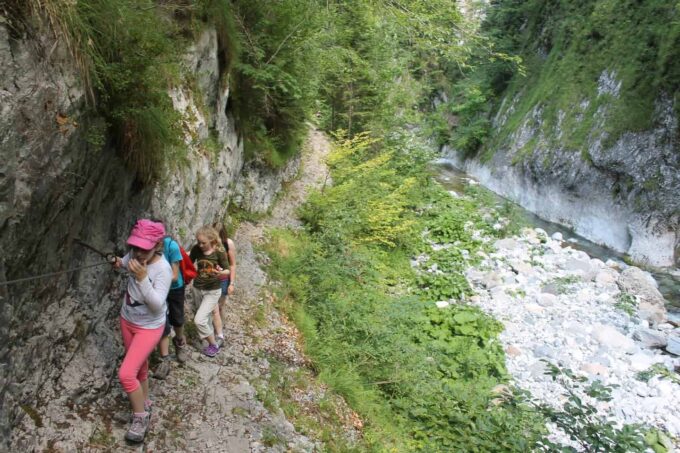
x=211, y=350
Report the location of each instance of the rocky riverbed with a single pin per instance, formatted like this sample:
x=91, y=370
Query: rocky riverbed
x=605, y=321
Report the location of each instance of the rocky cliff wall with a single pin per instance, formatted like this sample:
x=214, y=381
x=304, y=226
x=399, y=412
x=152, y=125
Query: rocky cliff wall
x=59, y=342
x=624, y=195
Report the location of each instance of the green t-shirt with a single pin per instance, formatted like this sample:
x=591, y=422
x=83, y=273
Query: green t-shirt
x=206, y=265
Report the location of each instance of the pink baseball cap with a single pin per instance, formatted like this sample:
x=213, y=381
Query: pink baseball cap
x=146, y=234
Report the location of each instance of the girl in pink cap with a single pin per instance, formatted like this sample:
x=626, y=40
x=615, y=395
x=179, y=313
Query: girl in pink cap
x=142, y=317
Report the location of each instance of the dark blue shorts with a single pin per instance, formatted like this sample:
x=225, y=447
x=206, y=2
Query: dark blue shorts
x=224, y=284
x=175, y=316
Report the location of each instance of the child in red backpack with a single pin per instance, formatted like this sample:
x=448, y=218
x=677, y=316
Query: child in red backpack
x=175, y=319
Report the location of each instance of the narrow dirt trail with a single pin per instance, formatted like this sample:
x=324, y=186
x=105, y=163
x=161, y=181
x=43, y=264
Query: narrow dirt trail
x=212, y=404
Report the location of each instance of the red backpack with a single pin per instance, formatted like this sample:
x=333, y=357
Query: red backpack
x=186, y=266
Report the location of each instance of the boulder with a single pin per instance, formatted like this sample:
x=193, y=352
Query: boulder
x=506, y=244
x=491, y=280
x=673, y=345
x=537, y=370
x=612, y=338
x=534, y=308
x=663, y=387
x=605, y=277
x=595, y=369
x=650, y=338
x=550, y=288
x=544, y=351
x=642, y=361
x=674, y=318
x=513, y=351
x=521, y=267
x=580, y=266
x=651, y=303
x=546, y=299
x=474, y=275
x=597, y=263
x=616, y=265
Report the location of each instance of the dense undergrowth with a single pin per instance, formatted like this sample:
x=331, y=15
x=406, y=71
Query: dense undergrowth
x=422, y=377
x=381, y=247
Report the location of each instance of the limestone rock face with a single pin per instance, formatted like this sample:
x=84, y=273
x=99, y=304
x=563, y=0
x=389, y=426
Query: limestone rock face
x=624, y=195
x=59, y=338
x=249, y=192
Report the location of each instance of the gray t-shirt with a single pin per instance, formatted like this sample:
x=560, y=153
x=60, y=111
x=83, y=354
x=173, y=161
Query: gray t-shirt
x=144, y=302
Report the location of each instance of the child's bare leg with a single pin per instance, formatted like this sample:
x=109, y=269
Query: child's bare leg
x=217, y=320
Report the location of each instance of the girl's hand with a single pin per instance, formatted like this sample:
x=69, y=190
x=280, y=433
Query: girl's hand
x=230, y=289
x=138, y=269
x=117, y=262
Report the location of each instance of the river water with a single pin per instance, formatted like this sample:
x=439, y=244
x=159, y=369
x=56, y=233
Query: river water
x=453, y=179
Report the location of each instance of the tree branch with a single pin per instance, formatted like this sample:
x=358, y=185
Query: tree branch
x=286, y=39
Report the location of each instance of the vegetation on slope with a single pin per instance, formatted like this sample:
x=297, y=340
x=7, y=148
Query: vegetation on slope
x=568, y=50
x=421, y=376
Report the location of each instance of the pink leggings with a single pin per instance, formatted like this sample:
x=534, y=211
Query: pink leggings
x=139, y=344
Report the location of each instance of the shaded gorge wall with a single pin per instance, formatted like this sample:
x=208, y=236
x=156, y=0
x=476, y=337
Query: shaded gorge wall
x=59, y=338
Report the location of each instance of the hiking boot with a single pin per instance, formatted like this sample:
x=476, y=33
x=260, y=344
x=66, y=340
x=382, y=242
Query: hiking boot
x=163, y=369
x=138, y=428
x=126, y=417
x=211, y=350
x=180, y=350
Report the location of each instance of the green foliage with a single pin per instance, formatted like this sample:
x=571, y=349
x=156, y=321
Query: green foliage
x=466, y=340
x=658, y=441
x=626, y=302
x=420, y=376
x=447, y=227
x=443, y=286
x=579, y=419
x=563, y=285
x=369, y=202
x=127, y=53
x=568, y=47
x=274, y=80
x=270, y=437
x=323, y=418
x=380, y=59
x=658, y=369
x=470, y=108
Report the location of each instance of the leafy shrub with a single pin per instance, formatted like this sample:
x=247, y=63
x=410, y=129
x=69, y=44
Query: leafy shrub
x=626, y=302
x=580, y=421
x=443, y=286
